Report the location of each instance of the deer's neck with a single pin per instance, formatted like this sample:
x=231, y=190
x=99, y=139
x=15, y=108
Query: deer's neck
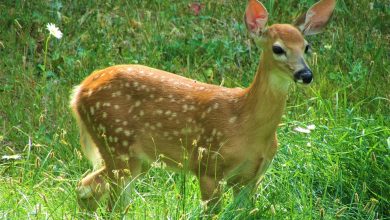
x=265, y=100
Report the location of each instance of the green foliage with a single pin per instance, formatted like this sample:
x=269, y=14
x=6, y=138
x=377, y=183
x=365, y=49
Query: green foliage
x=339, y=170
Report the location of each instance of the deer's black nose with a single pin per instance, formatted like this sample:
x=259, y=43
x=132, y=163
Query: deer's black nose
x=303, y=76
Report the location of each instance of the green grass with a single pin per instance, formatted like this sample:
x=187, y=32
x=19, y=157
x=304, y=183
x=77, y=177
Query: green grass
x=340, y=170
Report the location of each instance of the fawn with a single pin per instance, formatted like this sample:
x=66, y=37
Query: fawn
x=128, y=114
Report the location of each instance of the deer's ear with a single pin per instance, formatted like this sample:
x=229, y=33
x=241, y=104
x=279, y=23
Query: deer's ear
x=316, y=18
x=256, y=16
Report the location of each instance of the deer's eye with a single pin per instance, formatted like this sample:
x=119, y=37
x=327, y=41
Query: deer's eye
x=278, y=50
x=307, y=49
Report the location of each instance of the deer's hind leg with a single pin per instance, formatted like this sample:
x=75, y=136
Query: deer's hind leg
x=91, y=188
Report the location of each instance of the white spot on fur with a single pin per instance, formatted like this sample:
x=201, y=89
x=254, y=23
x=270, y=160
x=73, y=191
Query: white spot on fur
x=104, y=115
x=137, y=103
x=214, y=132
x=233, y=119
x=119, y=129
x=125, y=143
x=131, y=109
x=92, y=110
x=141, y=113
x=127, y=133
x=97, y=105
x=124, y=123
x=116, y=107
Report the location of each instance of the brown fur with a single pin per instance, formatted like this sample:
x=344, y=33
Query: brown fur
x=131, y=113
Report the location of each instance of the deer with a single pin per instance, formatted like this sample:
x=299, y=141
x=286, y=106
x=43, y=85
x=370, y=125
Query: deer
x=129, y=115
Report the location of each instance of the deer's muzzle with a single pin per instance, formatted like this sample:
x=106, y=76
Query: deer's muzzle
x=303, y=76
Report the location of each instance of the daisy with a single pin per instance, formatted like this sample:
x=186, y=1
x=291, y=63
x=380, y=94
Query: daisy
x=53, y=30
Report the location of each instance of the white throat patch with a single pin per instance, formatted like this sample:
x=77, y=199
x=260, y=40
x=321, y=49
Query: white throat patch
x=279, y=81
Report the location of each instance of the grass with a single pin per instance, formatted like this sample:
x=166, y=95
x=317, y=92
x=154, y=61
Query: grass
x=339, y=170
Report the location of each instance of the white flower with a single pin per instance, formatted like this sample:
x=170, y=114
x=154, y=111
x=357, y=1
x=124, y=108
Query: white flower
x=12, y=157
x=311, y=127
x=302, y=130
x=306, y=130
x=328, y=46
x=53, y=30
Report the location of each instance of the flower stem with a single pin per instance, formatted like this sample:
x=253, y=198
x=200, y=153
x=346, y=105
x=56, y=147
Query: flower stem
x=44, y=61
